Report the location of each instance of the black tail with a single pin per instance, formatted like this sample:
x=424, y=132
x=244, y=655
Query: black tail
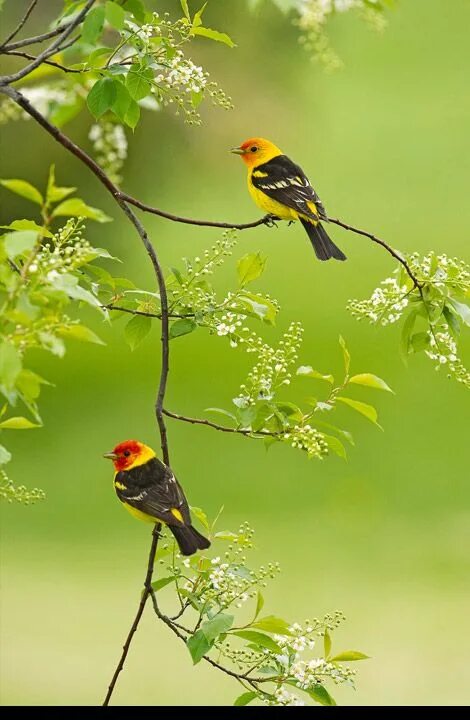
x=189, y=539
x=323, y=246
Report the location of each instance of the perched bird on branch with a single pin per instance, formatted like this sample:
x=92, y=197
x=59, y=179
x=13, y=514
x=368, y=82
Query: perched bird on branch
x=149, y=491
x=280, y=188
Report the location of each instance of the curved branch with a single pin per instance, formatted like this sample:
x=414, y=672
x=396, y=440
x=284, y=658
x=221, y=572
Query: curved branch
x=222, y=428
x=5, y=48
x=21, y=23
x=14, y=77
x=52, y=63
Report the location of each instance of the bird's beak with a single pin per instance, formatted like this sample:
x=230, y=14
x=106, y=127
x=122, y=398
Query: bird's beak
x=110, y=455
x=237, y=151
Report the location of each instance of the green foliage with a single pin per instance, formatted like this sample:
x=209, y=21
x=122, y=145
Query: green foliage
x=435, y=314
x=46, y=271
x=214, y=593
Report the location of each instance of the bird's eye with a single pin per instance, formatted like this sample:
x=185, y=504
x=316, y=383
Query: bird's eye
x=253, y=148
x=127, y=453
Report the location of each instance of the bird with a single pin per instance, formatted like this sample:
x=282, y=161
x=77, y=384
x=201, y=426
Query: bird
x=280, y=188
x=149, y=490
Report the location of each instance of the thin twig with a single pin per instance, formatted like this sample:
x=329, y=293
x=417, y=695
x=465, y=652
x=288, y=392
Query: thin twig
x=21, y=23
x=52, y=63
x=110, y=306
x=5, y=48
x=51, y=50
x=222, y=428
x=146, y=592
x=385, y=245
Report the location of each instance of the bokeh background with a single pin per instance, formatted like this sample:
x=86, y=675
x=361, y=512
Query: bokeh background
x=385, y=536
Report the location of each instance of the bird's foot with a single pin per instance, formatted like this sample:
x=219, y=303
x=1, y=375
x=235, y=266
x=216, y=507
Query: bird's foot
x=271, y=220
x=291, y=222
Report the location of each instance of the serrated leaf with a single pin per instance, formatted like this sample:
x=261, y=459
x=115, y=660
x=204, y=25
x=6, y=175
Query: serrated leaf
x=371, y=381
x=76, y=207
x=218, y=625
x=23, y=188
x=122, y=102
x=115, y=15
x=349, y=656
x=102, y=96
x=308, y=371
x=180, y=327
x=407, y=329
x=368, y=411
x=137, y=8
x=132, y=115
x=326, y=643
x=136, y=330
x=258, y=638
x=420, y=341
x=10, y=364
x=462, y=310
x=336, y=446
x=245, y=698
x=138, y=83
x=93, y=25
x=273, y=624
x=198, y=645
x=27, y=225
x=80, y=332
x=346, y=354
x=213, y=35
x=17, y=423
x=18, y=242
x=250, y=267
x=321, y=695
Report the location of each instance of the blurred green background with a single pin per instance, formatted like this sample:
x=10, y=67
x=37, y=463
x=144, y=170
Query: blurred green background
x=385, y=536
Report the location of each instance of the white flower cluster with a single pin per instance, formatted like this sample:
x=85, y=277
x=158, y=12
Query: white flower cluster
x=444, y=353
x=110, y=146
x=273, y=368
x=385, y=305
x=68, y=252
x=44, y=98
x=305, y=437
x=18, y=493
x=183, y=75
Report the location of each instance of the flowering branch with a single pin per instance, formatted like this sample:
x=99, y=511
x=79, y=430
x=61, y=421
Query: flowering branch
x=222, y=428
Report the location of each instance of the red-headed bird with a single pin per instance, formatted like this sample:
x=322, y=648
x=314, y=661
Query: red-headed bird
x=280, y=188
x=149, y=491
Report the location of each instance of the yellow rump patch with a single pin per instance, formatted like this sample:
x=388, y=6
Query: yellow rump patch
x=176, y=513
x=139, y=514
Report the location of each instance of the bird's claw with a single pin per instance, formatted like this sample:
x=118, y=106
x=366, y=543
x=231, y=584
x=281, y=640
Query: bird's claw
x=291, y=222
x=271, y=220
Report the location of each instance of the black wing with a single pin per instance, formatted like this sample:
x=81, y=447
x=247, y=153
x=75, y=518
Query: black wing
x=284, y=181
x=153, y=489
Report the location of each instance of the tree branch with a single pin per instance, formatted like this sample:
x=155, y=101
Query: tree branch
x=222, y=428
x=14, y=77
x=5, y=48
x=23, y=20
x=110, y=306
x=52, y=63
x=147, y=591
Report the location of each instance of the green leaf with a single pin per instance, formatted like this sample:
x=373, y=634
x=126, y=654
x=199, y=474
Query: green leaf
x=226, y=535
x=336, y=446
x=321, y=695
x=184, y=5
x=198, y=646
x=138, y=83
x=122, y=102
x=218, y=625
x=213, y=35
x=55, y=194
x=93, y=25
x=201, y=516
x=258, y=638
x=371, y=381
x=250, y=267
x=346, y=354
x=197, y=19
x=183, y=326
x=27, y=225
x=115, y=15
x=308, y=371
x=102, y=96
x=272, y=624
x=10, y=365
x=420, y=341
x=162, y=582
x=289, y=410
x=80, y=332
x=349, y=656
x=259, y=306
x=19, y=242
x=23, y=188
x=17, y=423
x=245, y=698
x=29, y=384
x=326, y=643
x=259, y=604
x=407, y=329
x=76, y=207
x=136, y=330
x=137, y=8
x=132, y=116
x=363, y=408
x=452, y=320
x=98, y=56
x=5, y=456
x=462, y=310
x=220, y=411
x=52, y=343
